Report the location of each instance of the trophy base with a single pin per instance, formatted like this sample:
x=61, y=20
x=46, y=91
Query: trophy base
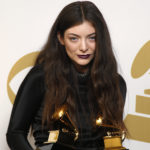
x=113, y=143
x=116, y=148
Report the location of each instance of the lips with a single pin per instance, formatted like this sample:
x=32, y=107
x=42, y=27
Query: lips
x=84, y=56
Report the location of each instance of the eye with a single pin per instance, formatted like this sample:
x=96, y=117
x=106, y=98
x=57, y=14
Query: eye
x=73, y=38
x=92, y=38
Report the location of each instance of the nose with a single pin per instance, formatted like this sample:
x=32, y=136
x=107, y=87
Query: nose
x=83, y=45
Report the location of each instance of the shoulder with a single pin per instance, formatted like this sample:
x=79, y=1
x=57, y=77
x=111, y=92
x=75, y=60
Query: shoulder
x=35, y=73
x=122, y=85
x=36, y=70
x=34, y=78
x=122, y=81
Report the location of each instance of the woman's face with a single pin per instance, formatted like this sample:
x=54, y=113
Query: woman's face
x=80, y=43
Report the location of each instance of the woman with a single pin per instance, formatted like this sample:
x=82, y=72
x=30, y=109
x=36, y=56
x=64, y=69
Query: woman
x=73, y=85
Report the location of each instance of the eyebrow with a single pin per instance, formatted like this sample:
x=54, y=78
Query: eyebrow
x=79, y=36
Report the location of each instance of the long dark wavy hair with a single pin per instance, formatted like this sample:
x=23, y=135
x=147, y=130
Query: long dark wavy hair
x=60, y=74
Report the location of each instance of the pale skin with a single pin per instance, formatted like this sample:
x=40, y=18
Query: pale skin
x=80, y=43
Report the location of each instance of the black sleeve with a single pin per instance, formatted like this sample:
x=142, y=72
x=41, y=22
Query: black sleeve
x=27, y=102
x=123, y=87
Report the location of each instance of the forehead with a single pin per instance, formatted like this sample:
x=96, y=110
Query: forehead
x=82, y=29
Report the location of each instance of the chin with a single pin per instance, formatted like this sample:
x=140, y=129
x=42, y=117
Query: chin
x=83, y=64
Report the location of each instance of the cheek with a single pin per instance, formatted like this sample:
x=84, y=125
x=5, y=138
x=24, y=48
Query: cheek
x=71, y=48
x=92, y=46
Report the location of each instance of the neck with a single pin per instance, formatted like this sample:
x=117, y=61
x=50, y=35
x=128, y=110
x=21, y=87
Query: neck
x=82, y=69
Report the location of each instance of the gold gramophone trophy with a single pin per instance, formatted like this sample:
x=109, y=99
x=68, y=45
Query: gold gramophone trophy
x=65, y=126
x=113, y=139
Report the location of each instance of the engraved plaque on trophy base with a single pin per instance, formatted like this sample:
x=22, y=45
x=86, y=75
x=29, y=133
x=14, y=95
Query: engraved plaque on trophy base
x=113, y=143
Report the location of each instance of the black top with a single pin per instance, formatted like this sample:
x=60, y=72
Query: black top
x=28, y=107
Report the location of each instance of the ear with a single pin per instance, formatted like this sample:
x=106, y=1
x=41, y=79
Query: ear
x=60, y=39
